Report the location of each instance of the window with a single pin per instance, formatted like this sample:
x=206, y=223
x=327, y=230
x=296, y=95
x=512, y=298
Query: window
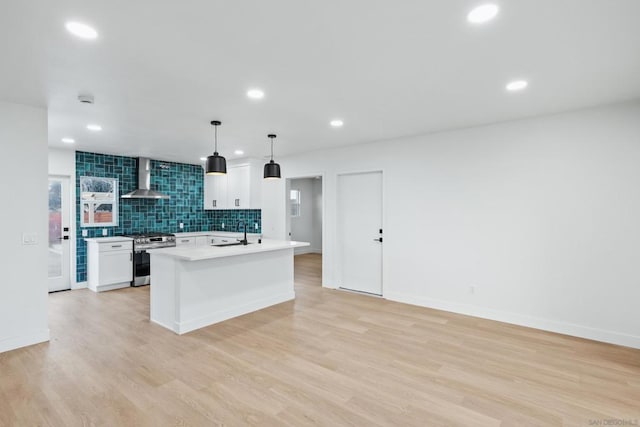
x=98, y=201
x=295, y=202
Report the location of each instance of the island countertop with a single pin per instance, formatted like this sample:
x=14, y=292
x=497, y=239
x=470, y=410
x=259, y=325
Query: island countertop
x=212, y=252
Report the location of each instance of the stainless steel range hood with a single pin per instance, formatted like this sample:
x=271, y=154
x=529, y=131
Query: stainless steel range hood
x=144, y=190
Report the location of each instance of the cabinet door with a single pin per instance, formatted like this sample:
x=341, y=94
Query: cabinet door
x=215, y=192
x=186, y=241
x=238, y=187
x=116, y=267
x=202, y=241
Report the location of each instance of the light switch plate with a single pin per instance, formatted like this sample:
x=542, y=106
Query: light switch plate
x=181, y=225
x=29, y=238
x=256, y=225
x=222, y=225
x=85, y=233
x=105, y=232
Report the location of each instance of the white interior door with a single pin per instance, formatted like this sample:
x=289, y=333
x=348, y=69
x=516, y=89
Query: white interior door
x=59, y=234
x=360, y=231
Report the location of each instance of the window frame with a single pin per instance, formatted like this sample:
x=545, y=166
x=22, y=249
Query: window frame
x=92, y=204
x=295, y=203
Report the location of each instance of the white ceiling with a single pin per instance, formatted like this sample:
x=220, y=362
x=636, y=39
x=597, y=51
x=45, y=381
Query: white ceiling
x=162, y=70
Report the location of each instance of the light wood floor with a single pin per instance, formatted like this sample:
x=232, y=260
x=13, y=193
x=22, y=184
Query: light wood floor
x=328, y=358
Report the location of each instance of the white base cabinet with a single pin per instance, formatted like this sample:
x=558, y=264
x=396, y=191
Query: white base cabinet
x=109, y=264
x=193, y=241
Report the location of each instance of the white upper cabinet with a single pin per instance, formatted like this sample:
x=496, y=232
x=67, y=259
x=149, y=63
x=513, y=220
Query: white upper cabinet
x=215, y=191
x=240, y=188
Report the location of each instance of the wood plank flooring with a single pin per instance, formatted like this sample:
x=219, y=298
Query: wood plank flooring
x=328, y=358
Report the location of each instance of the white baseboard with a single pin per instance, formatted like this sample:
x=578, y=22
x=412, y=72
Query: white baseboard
x=34, y=337
x=219, y=316
x=104, y=288
x=307, y=250
x=572, y=329
x=79, y=285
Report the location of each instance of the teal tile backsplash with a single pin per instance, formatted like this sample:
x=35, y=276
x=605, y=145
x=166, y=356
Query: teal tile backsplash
x=183, y=182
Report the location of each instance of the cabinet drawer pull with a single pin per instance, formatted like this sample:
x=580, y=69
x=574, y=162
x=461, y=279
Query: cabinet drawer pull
x=131, y=256
x=237, y=202
x=116, y=246
x=186, y=241
x=214, y=203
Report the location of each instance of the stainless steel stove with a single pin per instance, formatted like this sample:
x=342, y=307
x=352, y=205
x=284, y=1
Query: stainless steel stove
x=142, y=259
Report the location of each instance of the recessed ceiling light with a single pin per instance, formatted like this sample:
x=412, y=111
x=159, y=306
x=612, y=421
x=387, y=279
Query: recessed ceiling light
x=482, y=14
x=203, y=159
x=81, y=30
x=336, y=123
x=255, y=93
x=517, y=85
x=94, y=128
x=238, y=152
x=68, y=140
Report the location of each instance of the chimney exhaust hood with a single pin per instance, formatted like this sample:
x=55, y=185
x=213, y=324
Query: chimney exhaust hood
x=144, y=190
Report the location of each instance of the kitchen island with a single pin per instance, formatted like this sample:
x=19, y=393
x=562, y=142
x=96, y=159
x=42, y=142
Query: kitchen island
x=196, y=287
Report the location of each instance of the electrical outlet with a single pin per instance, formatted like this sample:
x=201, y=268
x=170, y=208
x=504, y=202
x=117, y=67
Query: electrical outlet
x=181, y=226
x=85, y=233
x=105, y=232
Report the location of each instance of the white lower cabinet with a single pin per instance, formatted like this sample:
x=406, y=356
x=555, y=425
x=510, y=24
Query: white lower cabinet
x=194, y=241
x=203, y=241
x=110, y=264
x=186, y=242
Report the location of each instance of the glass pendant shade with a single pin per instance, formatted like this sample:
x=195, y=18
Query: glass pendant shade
x=272, y=169
x=216, y=164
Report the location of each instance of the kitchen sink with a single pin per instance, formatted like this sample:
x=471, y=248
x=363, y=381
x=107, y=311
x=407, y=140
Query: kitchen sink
x=230, y=244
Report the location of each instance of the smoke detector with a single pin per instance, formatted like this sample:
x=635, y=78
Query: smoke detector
x=86, y=98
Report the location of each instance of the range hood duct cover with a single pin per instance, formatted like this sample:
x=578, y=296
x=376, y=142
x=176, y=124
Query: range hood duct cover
x=144, y=190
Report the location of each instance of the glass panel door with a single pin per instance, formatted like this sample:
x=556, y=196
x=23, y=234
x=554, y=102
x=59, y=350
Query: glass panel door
x=59, y=234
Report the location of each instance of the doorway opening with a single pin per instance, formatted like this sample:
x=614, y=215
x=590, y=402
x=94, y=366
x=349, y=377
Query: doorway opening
x=305, y=217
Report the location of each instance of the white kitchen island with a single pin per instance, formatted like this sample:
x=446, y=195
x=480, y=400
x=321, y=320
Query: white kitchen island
x=196, y=287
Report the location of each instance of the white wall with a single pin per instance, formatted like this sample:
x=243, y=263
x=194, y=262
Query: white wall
x=23, y=185
x=541, y=216
x=63, y=163
x=308, y=226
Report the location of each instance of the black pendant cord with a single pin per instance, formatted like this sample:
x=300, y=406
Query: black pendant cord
x=215, y=149
x=271, y=148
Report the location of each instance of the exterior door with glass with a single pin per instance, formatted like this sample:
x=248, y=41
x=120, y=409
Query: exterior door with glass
x=59, y=234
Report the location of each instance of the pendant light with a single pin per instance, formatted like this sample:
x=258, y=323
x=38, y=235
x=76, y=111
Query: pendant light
x=216, y=164
x=271, y=169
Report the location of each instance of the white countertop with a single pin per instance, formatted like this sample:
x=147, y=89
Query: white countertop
x=211, y=252
x=111, y=239
x=216, y=233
